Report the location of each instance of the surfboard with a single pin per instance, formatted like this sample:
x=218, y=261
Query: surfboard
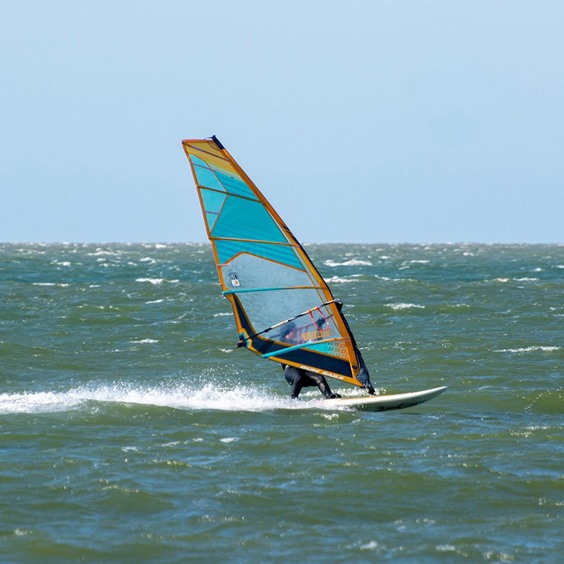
x=385, y=402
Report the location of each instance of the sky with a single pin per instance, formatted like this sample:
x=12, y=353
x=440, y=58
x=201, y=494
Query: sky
x=369, y=121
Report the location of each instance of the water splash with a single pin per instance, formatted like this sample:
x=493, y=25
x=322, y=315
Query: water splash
x=181, y=396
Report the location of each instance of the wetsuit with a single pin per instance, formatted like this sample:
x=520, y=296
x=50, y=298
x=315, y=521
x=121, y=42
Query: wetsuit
x=298, y=379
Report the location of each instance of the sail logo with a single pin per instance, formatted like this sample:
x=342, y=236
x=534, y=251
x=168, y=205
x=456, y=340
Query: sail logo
x=317, y=335
x=234, y=280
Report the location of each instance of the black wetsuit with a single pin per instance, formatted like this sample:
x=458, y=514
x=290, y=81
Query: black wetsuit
x=298, y=379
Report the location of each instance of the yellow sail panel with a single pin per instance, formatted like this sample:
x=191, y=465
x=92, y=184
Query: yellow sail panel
x=266, y=274
x=208, y=151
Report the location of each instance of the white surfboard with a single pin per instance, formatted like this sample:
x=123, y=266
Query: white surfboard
x=385, y=402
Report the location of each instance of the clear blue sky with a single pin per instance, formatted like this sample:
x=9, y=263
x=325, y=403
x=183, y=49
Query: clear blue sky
x=361, y=121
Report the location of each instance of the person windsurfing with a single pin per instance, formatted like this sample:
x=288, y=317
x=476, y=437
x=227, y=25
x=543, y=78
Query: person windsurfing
x=297, y=377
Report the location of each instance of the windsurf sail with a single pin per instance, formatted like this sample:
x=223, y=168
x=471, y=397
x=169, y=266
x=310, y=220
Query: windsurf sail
x=283, y=308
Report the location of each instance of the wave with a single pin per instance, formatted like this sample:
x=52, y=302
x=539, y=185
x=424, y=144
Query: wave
x=351, y=262
x=105, y=253
x=505, y=280
x=341, y=280
x=156, y=281
x=399, y=307
x=530, y=349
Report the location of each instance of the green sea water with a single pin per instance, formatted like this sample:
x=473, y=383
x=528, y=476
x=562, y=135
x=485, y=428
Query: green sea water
x=133, y=430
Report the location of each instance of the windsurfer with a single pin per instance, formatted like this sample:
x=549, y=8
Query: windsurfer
x=297, y=377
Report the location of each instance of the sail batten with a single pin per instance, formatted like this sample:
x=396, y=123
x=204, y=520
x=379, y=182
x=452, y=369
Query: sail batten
x=258, y=259
x=272, y=289
x=265, y=242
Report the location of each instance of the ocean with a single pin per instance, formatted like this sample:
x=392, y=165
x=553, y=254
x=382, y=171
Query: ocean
x=133, y=429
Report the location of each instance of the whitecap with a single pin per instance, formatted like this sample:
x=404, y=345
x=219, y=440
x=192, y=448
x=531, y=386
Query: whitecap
x=102, y=252
x=372, y=545
x=446, y=548
x=398, y=307
x=154, y=281
x=339, y=280
x=351, y=262
x=533, y=348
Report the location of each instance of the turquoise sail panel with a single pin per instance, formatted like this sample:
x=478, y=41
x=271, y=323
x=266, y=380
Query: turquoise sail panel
x=214, y=177
x=277, y=253
x=246, y=219
x=234, y=185
x=197, y=161
x=208, y=179
x=213, y=201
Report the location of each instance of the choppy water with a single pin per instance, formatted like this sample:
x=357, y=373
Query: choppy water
x=131, y=430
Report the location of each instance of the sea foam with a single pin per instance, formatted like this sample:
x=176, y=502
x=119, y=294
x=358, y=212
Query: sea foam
x=207, y=397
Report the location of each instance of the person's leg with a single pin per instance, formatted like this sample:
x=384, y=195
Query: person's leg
x=322, y=384
x=294, y=377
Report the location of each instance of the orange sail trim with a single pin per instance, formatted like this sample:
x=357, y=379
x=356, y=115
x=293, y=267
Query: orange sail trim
x=267, y=276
